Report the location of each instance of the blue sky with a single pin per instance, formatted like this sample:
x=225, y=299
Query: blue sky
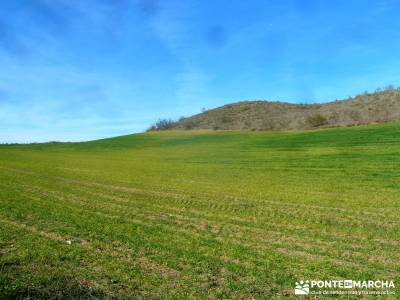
x=79, y=70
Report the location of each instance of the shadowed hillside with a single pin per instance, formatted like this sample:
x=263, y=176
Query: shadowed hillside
x=378, y=107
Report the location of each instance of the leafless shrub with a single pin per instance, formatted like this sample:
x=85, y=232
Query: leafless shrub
x=163, y=124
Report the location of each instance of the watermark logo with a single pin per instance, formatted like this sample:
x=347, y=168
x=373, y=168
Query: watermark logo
x=348, y=284
x=345, y=287
x=302, y=288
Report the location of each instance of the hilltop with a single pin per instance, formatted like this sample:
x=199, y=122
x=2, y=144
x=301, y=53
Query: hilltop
x=378, y=107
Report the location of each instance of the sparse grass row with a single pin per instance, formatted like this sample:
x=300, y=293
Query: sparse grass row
x=152, y=249
x=71, y=213
x=260, y=210
x=162, y=211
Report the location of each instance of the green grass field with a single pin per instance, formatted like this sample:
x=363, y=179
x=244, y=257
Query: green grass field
x=200, y=215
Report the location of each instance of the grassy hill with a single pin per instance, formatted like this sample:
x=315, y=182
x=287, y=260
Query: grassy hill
x=368, y=108
x=200, y=214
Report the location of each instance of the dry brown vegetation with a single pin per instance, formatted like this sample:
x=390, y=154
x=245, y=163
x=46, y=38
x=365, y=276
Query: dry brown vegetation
x=378, y=107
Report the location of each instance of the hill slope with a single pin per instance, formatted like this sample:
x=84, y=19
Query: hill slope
x=201, y=215
x=263, y=115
